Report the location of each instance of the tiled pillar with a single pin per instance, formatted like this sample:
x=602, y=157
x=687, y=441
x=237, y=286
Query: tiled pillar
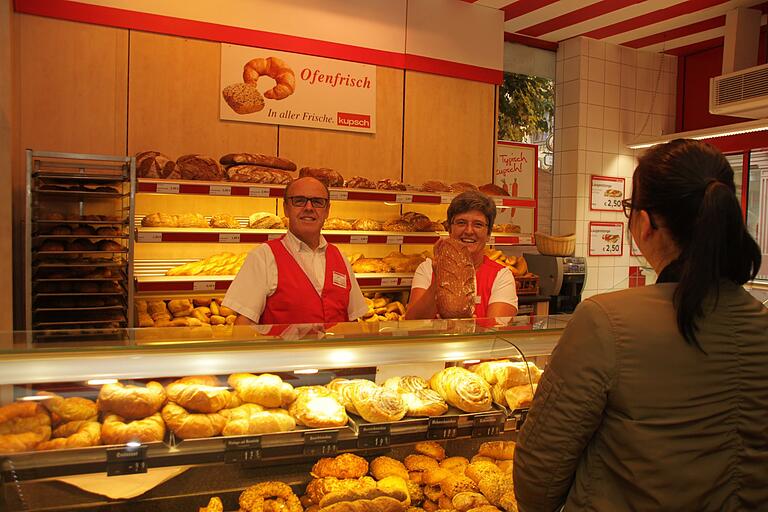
x=606, y=96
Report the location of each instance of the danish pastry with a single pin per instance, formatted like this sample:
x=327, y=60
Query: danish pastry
x=424, y=402
x=462, y=389
x=407, y=384
x=318, y=411
x=377, y=404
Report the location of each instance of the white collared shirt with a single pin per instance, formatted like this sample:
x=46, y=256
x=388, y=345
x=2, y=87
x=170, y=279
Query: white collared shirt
x=257, y=279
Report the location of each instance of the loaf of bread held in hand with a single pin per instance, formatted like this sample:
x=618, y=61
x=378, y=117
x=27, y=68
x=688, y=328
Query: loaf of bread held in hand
x=455, y=276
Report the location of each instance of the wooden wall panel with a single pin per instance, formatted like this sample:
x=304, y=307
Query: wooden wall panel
x=449, y=126
x=174, y=101
x=6, y=174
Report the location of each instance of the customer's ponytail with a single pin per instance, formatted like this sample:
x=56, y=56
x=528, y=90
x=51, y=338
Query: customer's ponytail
x=688, y=185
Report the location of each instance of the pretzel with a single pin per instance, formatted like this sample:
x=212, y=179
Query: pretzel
x=275, y=69
x=253, y=498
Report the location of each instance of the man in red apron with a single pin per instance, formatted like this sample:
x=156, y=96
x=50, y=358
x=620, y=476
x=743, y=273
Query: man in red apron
x=470, y=220
x=299, y=278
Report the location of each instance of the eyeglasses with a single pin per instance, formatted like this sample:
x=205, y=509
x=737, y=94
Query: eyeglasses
x=301, y=201
x=628, y=207
x=461, y=223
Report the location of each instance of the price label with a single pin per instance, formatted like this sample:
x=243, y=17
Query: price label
x=406, y=281
x=487, y=425
x=204, y=286
x=243, y=450
x=491, y=240
x=404, y=198
x=373, y=436
x=445, y=199
x=443, y=427
x=126, y=460
x=167, y=188
x=606, y=193
x=339, y=195
x=606, y=238
x=220, y=190
x=358, y=239
x=229, y=238
x=258, y=192
x=519, y=418
x=395, y=239
x=153, y=237
x=389, y=281
x=321, y=443
x=274, y=236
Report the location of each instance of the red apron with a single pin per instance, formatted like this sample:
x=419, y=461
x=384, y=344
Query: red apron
x=296, y=300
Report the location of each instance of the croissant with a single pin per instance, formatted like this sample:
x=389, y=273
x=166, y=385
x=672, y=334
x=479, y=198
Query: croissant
x=115, y=430
x=376, y=404
x=462, y=389
x=70, y=409
x=197, y=397
x=276, y=69
x=19, y=410
x=266, y=389
x=74, y=434
x=253, y=419
x=25, y=441
x=132, y=402
x=188, y=425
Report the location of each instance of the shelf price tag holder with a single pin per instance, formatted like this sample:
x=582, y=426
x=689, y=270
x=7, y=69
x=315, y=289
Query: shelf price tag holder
x=606, y=239
x=242, y=450
x=152, y=237
x=229, y=238
x=167, y=188
x=338, y=195
x=404, y=198
x=374, y=436
x=488, y=425
x=127, y=460
x=220, y=190
x=204, y=286
x=258, y=192
x=358, y=239
x=443, y=427
x=321, y=443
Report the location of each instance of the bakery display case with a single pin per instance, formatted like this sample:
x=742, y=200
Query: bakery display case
x=79, y=248
x=166, y=419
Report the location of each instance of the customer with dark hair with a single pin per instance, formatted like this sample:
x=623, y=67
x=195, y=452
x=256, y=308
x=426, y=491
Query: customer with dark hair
x=656, y=398
x=470, y=220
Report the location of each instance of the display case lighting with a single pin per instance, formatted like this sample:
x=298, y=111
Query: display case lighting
x=100, y=382
x=133, y=444
x=34, y=398
x=308, y=371
x=470, y=361
x=758, y=125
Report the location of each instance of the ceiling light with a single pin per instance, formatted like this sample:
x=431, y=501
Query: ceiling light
x=757, y=125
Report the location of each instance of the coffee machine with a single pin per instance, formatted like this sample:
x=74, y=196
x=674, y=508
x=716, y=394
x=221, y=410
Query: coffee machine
x=560, y=278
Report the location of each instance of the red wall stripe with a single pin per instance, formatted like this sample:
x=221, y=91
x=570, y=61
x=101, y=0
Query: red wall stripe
x=696, y=47
x=122, y=18
x=652, y=17
x=530, y=41
x=669, y=35
x=521, y=7
x=577, y=16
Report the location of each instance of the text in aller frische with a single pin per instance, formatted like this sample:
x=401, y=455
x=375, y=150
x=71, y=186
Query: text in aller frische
x=304, y=116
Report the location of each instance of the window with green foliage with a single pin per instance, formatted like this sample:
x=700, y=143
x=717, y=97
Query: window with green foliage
x=526, y=108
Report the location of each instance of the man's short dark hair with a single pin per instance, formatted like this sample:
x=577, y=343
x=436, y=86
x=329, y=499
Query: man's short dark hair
x=288, y=186
x=472, y=200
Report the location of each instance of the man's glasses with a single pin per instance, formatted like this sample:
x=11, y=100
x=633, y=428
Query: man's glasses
x=461, y=223
x=301, y=201
x=628, y=207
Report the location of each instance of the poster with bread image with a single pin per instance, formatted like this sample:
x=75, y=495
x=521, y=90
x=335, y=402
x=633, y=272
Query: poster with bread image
x=269, y=86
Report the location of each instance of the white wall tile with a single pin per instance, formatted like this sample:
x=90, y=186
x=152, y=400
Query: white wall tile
x=605, y=278
x=595, y=93
x=644, y=60
x=596, y=48
x=594, y=116
x=643, y=102
x=626, y=165
x=611, y=119
x=611, y=164
x=568, y=185
x=594, y=162
x=627, y=121
x=559, y=68
x=612, y=73
x=570, y=138
x=570, y=115
x=596, y=70
x=568, y=209
x=646, y=80
x=571, y=69
x=612, y=52
x=628, y=56
x=594, y=139
x=621, y=276
x=628, y=76
x=642, y=123
x=610, y=141
x=570, y=162
x=658, y=124
x=627, y=98
x=570, y=92
x=571, y=48
x=611, y=96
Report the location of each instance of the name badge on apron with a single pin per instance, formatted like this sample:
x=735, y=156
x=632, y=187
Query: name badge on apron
x=477, y=299
x=339, y=280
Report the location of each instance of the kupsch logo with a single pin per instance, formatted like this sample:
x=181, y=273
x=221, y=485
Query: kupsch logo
x=354, y=120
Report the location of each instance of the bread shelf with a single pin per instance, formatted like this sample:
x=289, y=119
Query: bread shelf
x=219, y=188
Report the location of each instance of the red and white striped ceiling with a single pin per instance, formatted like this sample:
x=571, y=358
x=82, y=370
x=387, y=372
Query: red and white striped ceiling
x=669, y=26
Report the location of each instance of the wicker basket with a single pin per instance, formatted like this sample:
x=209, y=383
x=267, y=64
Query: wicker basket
x=556, y=245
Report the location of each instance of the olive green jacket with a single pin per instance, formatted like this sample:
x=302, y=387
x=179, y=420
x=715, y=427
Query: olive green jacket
x=628, y=416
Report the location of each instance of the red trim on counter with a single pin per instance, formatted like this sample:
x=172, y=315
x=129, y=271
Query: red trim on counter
x=453, y=69
x=534, y=42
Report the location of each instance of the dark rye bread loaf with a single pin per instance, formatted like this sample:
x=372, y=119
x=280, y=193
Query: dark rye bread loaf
x=455, y=276
x=258, y=159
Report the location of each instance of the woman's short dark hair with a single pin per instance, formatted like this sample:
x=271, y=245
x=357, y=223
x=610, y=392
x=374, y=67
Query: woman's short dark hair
x=472, y=200
x=688, y=185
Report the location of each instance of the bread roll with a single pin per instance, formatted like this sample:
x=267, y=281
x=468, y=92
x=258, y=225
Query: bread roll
x=264, y=220
x=435, y=186
x=346, y=465
x=430, y=449
x=418, y=221
x=455, y=276
x=382, y=467
x=224, y=220
x=266, y=389
x=330, y=177
x=199, y=167
x=254, y=419
x=131, y=402
x=186, y=425
x=462, y=389
x=160, y=219
x=192, y=220
x=337, y=224
x=360, y=182
x=115, y=430
x=321, y=486
x=243, y=98
x=462, y=186
x=499, y=450
x=366, y=225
